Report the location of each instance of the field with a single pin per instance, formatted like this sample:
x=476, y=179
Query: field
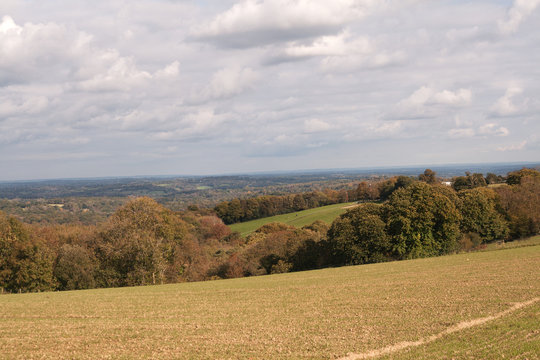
x=323, y=314
x=297, y=219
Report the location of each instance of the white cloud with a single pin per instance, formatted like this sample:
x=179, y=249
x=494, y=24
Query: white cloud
x=513, y=147
x=202, y=124
x=337, y=45
x=489, y=129
x=493, y=129
x=254, y=23
x=316, y=125
x=505, y=105
x=52, y=52
x=456, y=98
x=27, y=105
x=121, y=75
x=170, y=71
x=343, y=52
x=461, y=133
x=519, y=11
x=426, y=96
x=228, y=82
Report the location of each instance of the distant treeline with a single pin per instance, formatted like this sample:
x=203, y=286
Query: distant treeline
x=239, y=210
x=144, y=243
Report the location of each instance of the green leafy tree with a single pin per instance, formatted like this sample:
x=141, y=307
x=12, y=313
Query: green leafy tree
x=75, y=268
x=480, y=216
x=359, y=237
x=469, y=181
x=422, y=221
x=492, y=178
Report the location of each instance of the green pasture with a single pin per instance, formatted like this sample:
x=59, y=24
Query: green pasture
x=297, y=219
x=323, y=314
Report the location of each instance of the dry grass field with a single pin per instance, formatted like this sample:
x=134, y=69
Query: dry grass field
x=324, y=314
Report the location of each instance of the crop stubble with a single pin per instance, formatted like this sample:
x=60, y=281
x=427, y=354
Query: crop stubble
x=314, y=315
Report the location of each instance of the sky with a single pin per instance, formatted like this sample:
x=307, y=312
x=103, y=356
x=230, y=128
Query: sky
x=156, y=87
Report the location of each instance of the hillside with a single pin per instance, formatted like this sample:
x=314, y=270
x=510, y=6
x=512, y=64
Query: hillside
x=313, y=315
x=297, y=219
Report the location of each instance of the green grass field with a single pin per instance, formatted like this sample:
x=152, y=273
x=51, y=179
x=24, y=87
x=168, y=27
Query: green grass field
x=297, y=219
x=323, y=314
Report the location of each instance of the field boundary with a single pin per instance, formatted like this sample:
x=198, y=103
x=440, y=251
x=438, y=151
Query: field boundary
x=455, y=328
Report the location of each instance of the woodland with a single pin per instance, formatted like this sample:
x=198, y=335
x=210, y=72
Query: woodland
x=143, y=242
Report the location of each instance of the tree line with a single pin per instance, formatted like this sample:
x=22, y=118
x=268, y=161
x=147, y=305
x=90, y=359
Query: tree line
x=144, y=243
x=239, y=210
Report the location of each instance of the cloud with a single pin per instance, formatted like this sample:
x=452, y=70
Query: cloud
x=493, y=129
x=513, y=147
x=200, y=125
x=52, y=52
x=427, y=102
x=228, y=82
x=346, y=77
x=505, y=105
x=255, y=23
x=30, y=105
x=427, y=96
x=316, y=125
x=461, y=133
x=337, y=45
x=490, y=129
x=343, y=52
x=121, y=75
x=519, y=11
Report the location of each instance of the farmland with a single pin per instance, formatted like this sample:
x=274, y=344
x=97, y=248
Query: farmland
x=314, y=315
x=297, y=219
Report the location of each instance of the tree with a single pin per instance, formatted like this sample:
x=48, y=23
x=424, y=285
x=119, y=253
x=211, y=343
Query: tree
x=514, y=177
x=138, y=243
x=26, y=264
x=359, y=237
x=75, y=268
x=429, y=176
x=421, y=221
x=469, y=181
x=479, y=214
x=492, y=178
x=387, y=187
x=367, y=191
x=521, y=205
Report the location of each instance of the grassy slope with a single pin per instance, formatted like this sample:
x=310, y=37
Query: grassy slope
x=298, y=219
x=313, y=315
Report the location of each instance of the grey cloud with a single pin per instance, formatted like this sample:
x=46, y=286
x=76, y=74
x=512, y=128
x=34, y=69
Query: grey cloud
x=348, y=77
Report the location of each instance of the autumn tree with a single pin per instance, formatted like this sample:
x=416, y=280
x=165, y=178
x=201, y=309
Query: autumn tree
x=514, y=177
x=138, y=243
x=26, y=264
x=521, y=206
x=429, y=176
